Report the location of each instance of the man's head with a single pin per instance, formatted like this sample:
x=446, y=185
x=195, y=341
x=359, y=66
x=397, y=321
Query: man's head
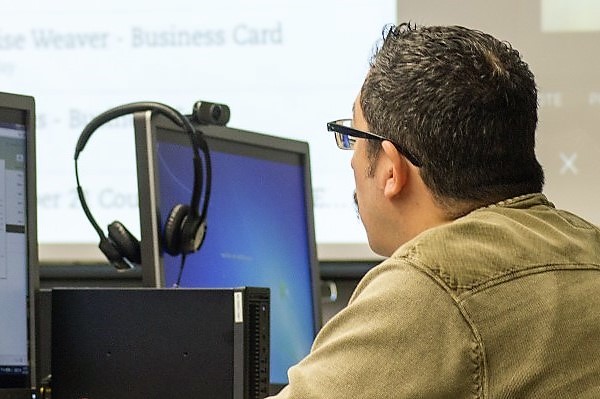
x=464, y=104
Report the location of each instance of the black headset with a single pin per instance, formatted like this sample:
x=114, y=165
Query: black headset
x=185, y=227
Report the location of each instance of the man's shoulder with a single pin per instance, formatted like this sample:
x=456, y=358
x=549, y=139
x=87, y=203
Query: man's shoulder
x=522, y=234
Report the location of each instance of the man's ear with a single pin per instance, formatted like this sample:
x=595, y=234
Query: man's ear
x=396, y=172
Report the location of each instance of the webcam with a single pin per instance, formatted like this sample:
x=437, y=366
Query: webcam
x=207, y=113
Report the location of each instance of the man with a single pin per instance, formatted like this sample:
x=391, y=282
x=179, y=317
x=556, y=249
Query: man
x=488, y=290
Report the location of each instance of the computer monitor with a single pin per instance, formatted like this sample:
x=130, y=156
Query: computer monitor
x=260, y=228
x=18, y=246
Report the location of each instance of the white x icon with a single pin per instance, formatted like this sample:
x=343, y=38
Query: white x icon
x=568, y=163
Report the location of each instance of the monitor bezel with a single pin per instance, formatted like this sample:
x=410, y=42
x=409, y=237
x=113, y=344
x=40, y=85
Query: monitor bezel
x=146, y=125
x=26, y=104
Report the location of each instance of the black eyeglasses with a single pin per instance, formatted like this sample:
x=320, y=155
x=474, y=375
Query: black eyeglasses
x=345, y=138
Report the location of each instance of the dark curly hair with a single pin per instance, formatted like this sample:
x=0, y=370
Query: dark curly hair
x=462, y=102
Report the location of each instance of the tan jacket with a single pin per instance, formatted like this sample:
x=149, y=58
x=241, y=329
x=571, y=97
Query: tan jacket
x=502, y=303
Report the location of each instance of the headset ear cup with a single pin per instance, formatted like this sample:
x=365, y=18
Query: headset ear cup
x=192, y=233
x=173, y=229
x=125, y=242
x=113, y=255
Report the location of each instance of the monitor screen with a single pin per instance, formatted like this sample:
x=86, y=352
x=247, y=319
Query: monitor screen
x=18, y=244
x=260, y=228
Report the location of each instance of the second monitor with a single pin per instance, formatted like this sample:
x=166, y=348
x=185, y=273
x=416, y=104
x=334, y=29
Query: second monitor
x=260, y=228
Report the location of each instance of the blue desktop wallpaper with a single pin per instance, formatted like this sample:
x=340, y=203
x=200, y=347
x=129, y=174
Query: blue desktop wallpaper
x=256, y=236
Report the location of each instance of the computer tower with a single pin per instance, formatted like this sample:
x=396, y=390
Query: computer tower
x=160, y=343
